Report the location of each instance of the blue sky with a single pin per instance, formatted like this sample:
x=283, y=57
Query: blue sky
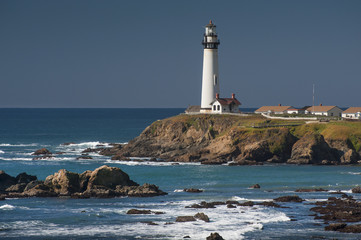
x=149, y=53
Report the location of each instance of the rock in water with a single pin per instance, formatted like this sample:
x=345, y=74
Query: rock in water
x=256, y=186
x=202, y=216
x=356, y=189
x=294, y=198
x=103, y=182
x=42, y=151
x=214, y=236
x=193, y=190
x=185, y=219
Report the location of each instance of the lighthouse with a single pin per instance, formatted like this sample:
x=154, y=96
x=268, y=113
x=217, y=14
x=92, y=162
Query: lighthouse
x=210, y=78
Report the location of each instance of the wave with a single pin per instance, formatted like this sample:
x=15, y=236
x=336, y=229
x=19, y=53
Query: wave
x=18, y=145
x=7, y=207
x=148, y=163
x=1, y=152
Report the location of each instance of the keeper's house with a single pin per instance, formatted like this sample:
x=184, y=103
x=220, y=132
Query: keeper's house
x=330, y=111
x=225, y=105
x=352, y=113
x=274, y=109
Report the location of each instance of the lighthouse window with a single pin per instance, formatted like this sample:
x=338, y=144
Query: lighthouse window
x=215, y=80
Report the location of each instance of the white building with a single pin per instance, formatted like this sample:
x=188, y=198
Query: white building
x=330, y=111
x=225, y=105
x=274, y=109
x=210, y=79
x=352, y=113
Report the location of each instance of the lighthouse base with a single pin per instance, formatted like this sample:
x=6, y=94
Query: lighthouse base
x=205, y=110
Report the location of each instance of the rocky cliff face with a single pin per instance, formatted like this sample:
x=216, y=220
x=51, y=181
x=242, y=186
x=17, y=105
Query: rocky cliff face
x=218, y=139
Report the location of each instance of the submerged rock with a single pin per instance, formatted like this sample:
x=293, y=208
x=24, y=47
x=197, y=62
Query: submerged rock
x=255, y=186
x=193, y=190
x=202, y=216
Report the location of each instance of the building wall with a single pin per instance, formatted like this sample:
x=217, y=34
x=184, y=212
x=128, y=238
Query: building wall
x=210, y=78
x=351, y=115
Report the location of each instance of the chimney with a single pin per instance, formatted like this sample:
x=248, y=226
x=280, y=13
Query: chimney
x=280, y=105
x=217, y=95
x=233, y=95
x=320, y=104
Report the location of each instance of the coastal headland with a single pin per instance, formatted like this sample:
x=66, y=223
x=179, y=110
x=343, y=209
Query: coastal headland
x=244, y=140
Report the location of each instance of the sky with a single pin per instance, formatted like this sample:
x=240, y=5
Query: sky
x=148, y=54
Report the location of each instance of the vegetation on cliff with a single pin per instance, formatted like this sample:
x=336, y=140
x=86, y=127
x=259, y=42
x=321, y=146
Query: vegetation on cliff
x=218, y=139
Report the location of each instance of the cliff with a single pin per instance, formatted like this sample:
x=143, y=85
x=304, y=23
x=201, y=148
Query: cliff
x=218, y=139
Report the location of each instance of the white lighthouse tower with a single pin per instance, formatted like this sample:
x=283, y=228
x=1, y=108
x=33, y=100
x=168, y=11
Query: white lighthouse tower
x=210, y=79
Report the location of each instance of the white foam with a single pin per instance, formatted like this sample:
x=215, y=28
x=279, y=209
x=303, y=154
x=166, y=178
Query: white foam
x=178, y=190
x=236, y=198
x=17, y=159
x=1, y=152
x=147, y=163
x=18, y=145
x=229, y=223
x=7, y=207
x=353, y=173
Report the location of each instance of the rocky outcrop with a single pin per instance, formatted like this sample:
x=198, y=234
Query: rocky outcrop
x=229, y=139
x=103, y=182
x=214, y=236
x=345, y=210
x=294, y=198
x=313, y=149
x=42, y=151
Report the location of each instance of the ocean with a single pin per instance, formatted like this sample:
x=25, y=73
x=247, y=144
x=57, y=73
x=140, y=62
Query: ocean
x=22, y=131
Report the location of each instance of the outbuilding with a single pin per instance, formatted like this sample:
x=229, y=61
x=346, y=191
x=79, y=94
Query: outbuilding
x=274, y=109
x=352, y=113
x=225, y=105
x=330, y=111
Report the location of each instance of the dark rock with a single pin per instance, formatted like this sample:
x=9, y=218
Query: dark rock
x=6, y=180
x=91, y=150
x=186, y=237
x=247, y=204
x=146, y=190
x=83, y=158
x=356, y=189
x=137, y=211
x=68, y=143
x=288, y=199
x=16, y=188
x=214, y=236
x=256, y=186
x=269, y=204
x=311, y=190
x=150, y=223
x=335, y=226
x=185, y=219
x=202, y=216
x=25, y=178
x=231, y=206
x=232, y=202
x=42, y=151
x=356, y=228
x=193, y=190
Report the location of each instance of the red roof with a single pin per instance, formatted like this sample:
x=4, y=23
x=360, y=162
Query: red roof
x=227, y=101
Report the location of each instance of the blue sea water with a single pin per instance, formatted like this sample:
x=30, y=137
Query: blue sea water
x=22, y=131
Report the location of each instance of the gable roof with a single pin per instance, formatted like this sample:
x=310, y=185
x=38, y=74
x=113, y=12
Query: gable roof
x=227, y=101
x=352, y=110
x=321, y=108
x=273, y=108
